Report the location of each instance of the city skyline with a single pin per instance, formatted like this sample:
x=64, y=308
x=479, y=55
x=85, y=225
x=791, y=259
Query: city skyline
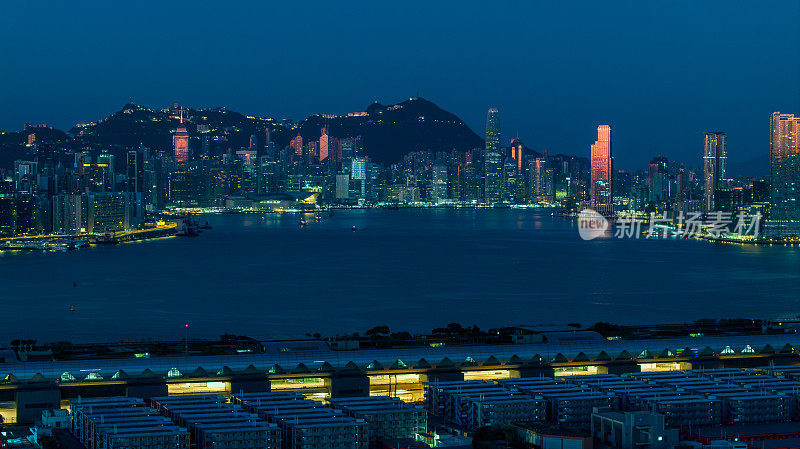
x=744, y=167
x=535, y=71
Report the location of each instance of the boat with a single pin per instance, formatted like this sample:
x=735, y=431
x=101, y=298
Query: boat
x=354, y=229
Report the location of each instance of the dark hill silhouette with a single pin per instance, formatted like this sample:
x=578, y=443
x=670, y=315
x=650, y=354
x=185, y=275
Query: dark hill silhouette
x=389, y=131
x=392, y=131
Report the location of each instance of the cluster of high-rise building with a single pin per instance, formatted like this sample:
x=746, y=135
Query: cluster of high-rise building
x=674, y=188
x=98, y=193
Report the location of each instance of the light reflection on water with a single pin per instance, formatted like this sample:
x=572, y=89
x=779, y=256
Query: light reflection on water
x=266, y=276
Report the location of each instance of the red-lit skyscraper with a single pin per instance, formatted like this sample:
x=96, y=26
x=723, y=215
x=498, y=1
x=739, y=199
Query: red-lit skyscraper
x=297, y=145
x=323, y=145
x=602, y=199
x=180, y=143
x=517, y=149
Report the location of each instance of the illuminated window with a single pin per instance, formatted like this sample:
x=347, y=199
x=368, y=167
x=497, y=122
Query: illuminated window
x=173, y=372
x=67, y=377
x=94, y=376
x=748, y=350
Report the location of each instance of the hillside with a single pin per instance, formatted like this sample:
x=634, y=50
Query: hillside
x=389, y=132
x=392, y=131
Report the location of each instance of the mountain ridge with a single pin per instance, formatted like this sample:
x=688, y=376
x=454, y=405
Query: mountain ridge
x=389, y=131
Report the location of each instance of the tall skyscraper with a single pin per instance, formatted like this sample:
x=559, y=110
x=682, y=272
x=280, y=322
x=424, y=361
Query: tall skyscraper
x=543, y=188
x=784, y=164
x=132, y=171
x=105, y=162
x=492, y=158
x=180, y=143
x=715, y=157
x=517, y=149
x=323, y=145
x=439, y=181
x=602, y=198
x=658, y=180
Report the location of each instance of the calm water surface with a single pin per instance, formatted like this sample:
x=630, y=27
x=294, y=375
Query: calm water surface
x=410, y=269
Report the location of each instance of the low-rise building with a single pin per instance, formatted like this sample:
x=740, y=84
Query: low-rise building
x=632, y=430
x=214, y=423
x=306, y=424
x=123, y=423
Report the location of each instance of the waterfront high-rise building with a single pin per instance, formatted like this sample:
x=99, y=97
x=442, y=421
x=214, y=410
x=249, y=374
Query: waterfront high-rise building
x=492, y=157
x=602, y=166
x=108, y=212
x=439, y=181
x=715, y=156
x=69, y=214
x=180, y=143
x=784, y=165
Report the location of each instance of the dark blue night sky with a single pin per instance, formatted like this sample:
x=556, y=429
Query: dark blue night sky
x=660, y=72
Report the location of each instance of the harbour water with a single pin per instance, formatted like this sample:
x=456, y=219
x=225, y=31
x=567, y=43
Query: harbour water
x=411, y=269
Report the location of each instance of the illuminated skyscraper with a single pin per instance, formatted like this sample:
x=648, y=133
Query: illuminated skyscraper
x=180, y=144
x=784, y=164
x=358, y=176
x=105, y=161
x=297, y=145
x=492, y=158
x=439, y=181
x=517, y=148
x=543, y=182
x=659, y=179
x=132, y=171
x=602, y=198
x=715, y=156
x=323, y=145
